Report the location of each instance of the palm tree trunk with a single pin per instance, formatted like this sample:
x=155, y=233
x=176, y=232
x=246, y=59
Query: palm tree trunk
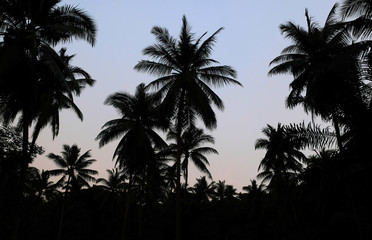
x=22, y=177
x=186, y=170
x=355, y=213
x=24, y=139
x=337, y=130
x=178, y=165
x=60, y=225
x=140, y=205
x=127, y=204
x=178, y=189
x=186, y=178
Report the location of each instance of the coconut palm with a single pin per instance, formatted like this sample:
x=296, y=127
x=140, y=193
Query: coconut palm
x=323, y=62
x=203, y=190
x=115, y=183
x=60, y=94
x=359, y=14
x=135, y=152
x=193, y=140
x=28, y=29
x=73, y=165
x=254, y=188
x=136, y=128
x=39, y=184
x=186, y=72
x=283, y=158
x=224, y=191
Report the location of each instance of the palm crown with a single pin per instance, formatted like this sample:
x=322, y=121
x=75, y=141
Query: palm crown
x=193, y=149
x=74, y=166
x=186, y=74
x=283, y=156
x=135, y=127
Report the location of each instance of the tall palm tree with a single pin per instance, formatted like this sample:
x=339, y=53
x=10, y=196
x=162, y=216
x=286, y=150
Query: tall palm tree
x=73, y=165
x=193, y=149
x=323, y=62
x=28, y=30
x=136, y=128
x=186, y=72
x=135, y=152
x=283, y=157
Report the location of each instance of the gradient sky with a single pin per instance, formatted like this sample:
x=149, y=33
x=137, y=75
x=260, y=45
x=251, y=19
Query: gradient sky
x=250, y=40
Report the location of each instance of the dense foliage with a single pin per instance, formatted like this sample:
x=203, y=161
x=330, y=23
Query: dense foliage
x=322, y=196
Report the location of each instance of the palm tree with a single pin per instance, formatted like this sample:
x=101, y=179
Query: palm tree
x=115, y=183
x=136, y=128
x=203, y=190
x=254, y=188
x=135, y=152
x=192, y=149
x=360, y=13
x=39, y=183
x=283, y=157
x=73, y=166
x=60, y=94
x=323, y=62
x=28, y=29
x=224, y=191
x=186, y=73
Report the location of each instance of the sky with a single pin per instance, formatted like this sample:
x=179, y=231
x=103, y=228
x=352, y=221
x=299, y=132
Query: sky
x=249, y=41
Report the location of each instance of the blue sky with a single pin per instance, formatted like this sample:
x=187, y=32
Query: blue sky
x=249, y=41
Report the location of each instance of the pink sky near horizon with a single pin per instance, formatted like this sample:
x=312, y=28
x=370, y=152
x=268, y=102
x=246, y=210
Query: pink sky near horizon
x=249, y=41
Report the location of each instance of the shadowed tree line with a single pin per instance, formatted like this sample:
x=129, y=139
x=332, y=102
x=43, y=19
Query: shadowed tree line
x=147, y=194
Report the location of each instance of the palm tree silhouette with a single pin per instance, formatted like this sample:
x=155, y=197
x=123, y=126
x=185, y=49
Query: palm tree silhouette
x=203, y=190
x=254, y=188
x=224, y=191
x=73, y=166
x=39, y=183
x=60, y=94
x=323, y=62
x=360, y=13
x=136, y=128
x=283, y=157
x=135, y=152
x=193, y=149
x=115, y=183
x=185, y=75
x=30, y=28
